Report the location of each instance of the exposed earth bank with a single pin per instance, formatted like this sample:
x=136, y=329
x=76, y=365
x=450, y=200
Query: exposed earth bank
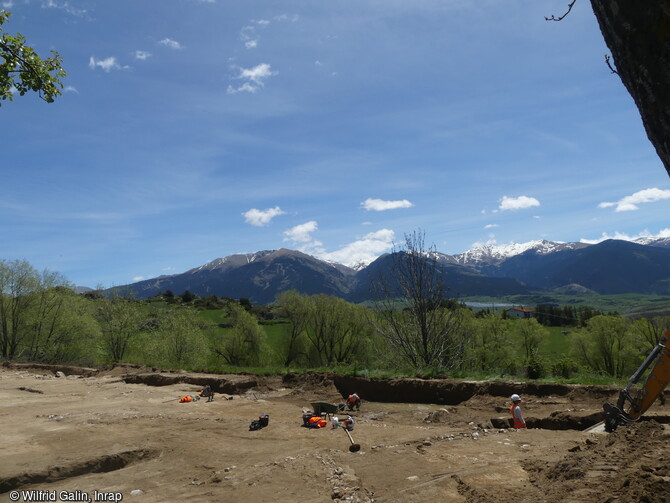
x=70, y=432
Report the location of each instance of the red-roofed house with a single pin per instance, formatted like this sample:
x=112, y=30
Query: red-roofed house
x=519, y=312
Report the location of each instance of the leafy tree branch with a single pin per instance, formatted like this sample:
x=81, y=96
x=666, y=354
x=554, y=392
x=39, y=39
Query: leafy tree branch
x=22, y=70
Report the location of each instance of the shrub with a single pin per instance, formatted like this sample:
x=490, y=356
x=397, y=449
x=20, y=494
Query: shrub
x=565, y=367
x=535, y=368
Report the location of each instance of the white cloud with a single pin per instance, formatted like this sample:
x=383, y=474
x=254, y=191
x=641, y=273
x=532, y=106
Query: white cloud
x=7, y=5
x=255, y=78
x=364, y=250
x=70, y=89
x=491, y=226
x=630, y=203
x=285, y=17
x=381, y=205
x=517, y=203
x=256, y=74
x=260, y=218
x=172, y=44
x=645, y=234
x=142, y=55
x=65, y=6
x=107, y=64
x=138, y=278
x=249, y=36
x=301, y=233
x=492, y=241
x=244, y=88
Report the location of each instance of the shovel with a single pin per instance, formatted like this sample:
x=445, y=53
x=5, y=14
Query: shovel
x=353, y=447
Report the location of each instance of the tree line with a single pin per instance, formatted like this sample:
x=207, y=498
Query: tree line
x=564, y=316
x=43, y=320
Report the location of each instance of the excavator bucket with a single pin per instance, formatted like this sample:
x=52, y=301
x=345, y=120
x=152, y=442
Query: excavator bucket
x=655, y=385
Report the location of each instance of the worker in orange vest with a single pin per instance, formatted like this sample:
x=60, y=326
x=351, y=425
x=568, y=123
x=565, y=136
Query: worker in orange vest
x=354, y=400
x=515, y=410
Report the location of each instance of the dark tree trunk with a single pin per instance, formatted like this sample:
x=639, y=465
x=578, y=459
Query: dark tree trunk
x=638, y=35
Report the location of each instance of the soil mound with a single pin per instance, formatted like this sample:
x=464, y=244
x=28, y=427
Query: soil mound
x=630, y=464
x=51, y=369
x=309, y=381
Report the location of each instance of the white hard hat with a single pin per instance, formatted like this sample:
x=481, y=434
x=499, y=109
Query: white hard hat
x=515, y=398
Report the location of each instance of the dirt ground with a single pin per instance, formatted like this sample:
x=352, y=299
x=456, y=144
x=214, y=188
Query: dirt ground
x=77, y=437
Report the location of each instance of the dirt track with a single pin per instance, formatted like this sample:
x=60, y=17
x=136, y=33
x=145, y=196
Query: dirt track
x=97, y=432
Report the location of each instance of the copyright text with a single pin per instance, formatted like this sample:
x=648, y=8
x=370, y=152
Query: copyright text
x=37, y=495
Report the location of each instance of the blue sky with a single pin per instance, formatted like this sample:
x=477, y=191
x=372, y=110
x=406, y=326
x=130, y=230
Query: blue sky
x=191, y=130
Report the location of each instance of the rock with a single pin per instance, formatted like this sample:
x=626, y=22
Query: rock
x=438, y=416
x=60, y=374
x=136, y=492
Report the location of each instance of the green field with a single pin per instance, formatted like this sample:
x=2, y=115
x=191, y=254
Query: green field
x=631, y=305
x=276, y=332
x=556, y=344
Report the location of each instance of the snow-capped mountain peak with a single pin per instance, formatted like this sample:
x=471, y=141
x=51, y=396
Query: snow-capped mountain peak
x=494, y=253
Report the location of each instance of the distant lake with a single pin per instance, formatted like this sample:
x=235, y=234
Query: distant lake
x=489, y=304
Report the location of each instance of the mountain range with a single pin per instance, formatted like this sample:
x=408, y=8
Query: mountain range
x=609, y=267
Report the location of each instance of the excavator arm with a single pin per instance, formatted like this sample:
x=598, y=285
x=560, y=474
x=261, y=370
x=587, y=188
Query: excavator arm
x=630, y=407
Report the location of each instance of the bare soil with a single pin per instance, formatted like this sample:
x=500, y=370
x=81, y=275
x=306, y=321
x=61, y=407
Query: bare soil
x=123, y=431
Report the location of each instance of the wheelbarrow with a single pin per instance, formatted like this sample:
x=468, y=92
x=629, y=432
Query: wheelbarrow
x=326, y=409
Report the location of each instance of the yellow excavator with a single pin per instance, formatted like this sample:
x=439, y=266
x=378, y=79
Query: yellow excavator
x=629, y=408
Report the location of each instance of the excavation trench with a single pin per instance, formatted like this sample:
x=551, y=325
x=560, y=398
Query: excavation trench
x=51, y=369
x=219, y=384
x=408, y=390
x=452, y=392
x=556, y=421
x=100, y=464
